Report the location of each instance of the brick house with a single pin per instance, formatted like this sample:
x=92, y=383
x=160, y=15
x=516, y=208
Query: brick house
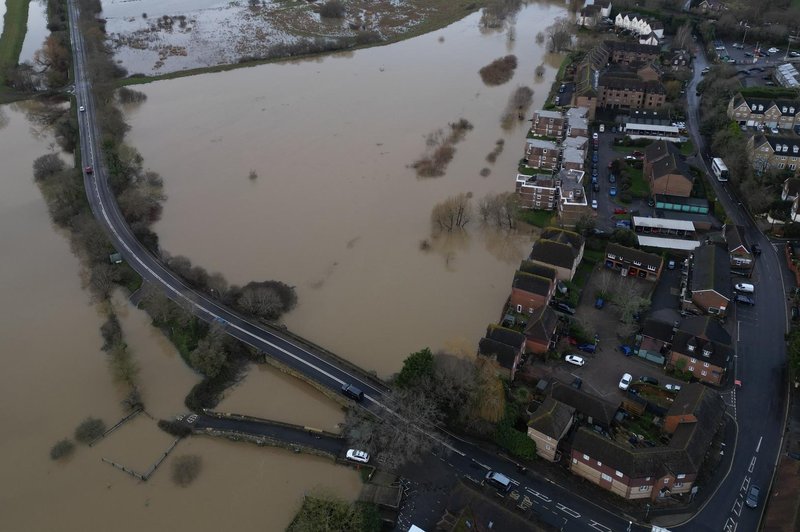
x=529, y=292
x=505, y=347
x=709, y=279
x=589, y=409
x=670, y=176
x=654, y=341
x=548, y=124
x=747, y=111
x=542, y=154
x=548, y=425
x=702, y=347
x=540, y=270
x=573, y=159
x=541, y=331
x=768, y=152
x=626, y=53
x=741, y=255
x=651, y=472
x=538, y=192
x=625, y=90
x=577, y=122
x=559, y=249
x=634, y=262
x=655, y=151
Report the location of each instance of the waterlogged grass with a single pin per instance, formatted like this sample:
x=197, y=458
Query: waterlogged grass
x=15, y=25
x=438, y=14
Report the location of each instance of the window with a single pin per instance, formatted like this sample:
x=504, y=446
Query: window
x=619, y=474
x=704, y=373
x=681, y=476
x=690, y=368
x=693, y=360
x=781, y=165
x=705, y=364
x=666, y=480
x=606, y=477
x=585, y=456
x=691, y=349
x=644, y=488
x=547, y=447
x=519, y=308
x=677, y=485
x=599, y=463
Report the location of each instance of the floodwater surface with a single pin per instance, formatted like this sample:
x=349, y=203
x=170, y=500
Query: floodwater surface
x=55, y=375
x=36, y=32
x=335, y=209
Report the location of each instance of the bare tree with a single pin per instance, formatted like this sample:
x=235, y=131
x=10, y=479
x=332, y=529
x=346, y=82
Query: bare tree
x=456, y=386
x=156, y=303
x=500, y=209
x=559, y=35
x=102, y=278
x=46, y=166
x=209, y=356
x=452, y=214
x=260, y=301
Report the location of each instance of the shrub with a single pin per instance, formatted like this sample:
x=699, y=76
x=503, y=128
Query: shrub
x=332, y=9
x=499, y=71
x=185, y=469
x=89, y=430
x=62, y=449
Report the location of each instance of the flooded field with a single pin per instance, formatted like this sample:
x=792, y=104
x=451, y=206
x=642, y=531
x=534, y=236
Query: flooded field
x=55, y=375
x=335, y=209
x=36, y=32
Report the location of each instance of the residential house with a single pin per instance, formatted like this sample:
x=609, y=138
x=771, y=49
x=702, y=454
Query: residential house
x=589, y=409
x=702, y=347
x=670, y=176
x=680, y=59
x=649, y=71
x=643, y=124
x=791, y=189
x=548, y=425
x=655, y=151
x=573, y=203
x=712, y=5
x=573, y=159
x=537, y=191
x=787, y=76
x=651, y=472
x=527, y=266
x=559, y=249
x=593, y=12
x=548, y=124
x=541, y=332
x=577, y=122
x=768, y=152
x=632, y=262
x=618, y=89
x=577, y=142
x=741, y=256
x=654, y=341
x=530, y=292
x=542, y=154
x=709, y=286
x=749, y=111
x=506, y=357
x=626, y=53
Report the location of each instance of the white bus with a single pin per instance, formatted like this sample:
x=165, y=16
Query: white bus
x=719, y=169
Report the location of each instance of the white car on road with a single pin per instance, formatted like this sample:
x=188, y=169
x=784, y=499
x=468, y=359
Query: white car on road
x=357, y=456
x=625, y=381
x=81, y=109
x=773, y=50
x=575, y=359
x=745, y=288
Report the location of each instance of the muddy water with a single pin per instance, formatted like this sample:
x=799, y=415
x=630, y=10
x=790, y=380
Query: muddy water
x=55, y=375
x=335, y=209
x=37, y=30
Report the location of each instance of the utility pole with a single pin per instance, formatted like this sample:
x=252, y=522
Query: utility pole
x=746, y=27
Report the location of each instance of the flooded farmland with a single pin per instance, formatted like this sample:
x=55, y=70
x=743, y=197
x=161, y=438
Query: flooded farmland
x=36, y=32
x=55, y=375
x=335, y=209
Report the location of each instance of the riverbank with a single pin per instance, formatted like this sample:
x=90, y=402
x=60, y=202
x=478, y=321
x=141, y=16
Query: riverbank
x=441, y=13
x=15, y=25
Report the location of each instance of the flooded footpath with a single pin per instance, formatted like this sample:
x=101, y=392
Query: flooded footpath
x=55, y=375
x=334, y=208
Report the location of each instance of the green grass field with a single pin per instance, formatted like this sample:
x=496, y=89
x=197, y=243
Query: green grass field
x=15, y=25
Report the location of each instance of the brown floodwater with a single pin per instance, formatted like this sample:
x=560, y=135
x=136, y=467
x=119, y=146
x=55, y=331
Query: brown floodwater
x=55, y=375
x=335, y=209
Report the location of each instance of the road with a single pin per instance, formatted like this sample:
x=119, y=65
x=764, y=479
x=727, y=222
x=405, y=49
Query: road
x=760, y=404
x=761, y=397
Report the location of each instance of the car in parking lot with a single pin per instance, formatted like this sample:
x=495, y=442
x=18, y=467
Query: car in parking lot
x=774, y=130
x=596, y=187
x=745, y=288
x=625, y=381
x=671, y=264
x=612, y=191
x=595, y=136
x=575, y=359
x=773, y=50
x=562, y=307
x=588, y=347
x=648, y=380
x=594, y=157
x=620, y=210
x=673, y=387
x=577, y=383
x=753, y=494
x=612, y=178
x=357, y=456
x=741, y=298
x=626, y=350
x=599, y=303
x=594, y=202
x=622, y=224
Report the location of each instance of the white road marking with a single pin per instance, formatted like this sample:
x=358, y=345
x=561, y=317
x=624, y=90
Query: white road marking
x=737, y=507
x=598, y=526
x=538, y=495
x=569, y=511
x=759, y=443
x=730, y=525
x=752, y=465
x=745, y=484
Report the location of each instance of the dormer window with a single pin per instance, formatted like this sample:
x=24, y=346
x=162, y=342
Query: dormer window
x=783, y=109
x=760, y=107
x=707, y=350
x=690, y=347
x=785, y=148
x=795, y=149
x=791, y=110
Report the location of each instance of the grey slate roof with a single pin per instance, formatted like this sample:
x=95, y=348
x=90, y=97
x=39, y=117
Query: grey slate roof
x=532, y=283
x=711, y=270
x=660, y=330
x=705, y=334
x=505, y=336
x=554, y=253
x=505, y=354
x=601, y=411
x=551, y=418
x=538, y=269
x=630, y=254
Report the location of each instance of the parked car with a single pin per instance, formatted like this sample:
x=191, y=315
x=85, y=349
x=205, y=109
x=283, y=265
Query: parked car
x=630, y=158
x=673, y=387
x=612, y=178
x=577, y=383
x=89, y=170
x=563, y=307
x=648, y=380
x=588, y=348
x=753, y=495
x=612, y=191
x=594, y=203
x=599, y=303
x=620, y=210
x=756, y=250
x=774, y=130
x=622, y=224
x=595, y=136
x=575, y=359
x=625, y=381
x=651, y=202
x=794, y=54
x=638, y=154
x=594, y=157
x=741, y=298
x=746, y=288
x=671, y=264
x=795, y=313
x=626, y=350
x=773, y=50
x=357, y=456
x=596, y=187
x=602, y=128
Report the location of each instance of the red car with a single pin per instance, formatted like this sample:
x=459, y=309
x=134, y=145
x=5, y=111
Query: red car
x=620, y=210
x=638, y=154
x=89, y=170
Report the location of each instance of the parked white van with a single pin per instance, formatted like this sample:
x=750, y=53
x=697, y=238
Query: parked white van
x=745, y=288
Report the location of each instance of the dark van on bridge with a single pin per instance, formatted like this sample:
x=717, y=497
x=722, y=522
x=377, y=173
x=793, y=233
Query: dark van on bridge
x=352, y=392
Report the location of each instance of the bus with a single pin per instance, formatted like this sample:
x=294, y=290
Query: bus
x=719, y=169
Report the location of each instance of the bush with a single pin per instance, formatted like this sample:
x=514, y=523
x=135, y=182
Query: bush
x=332, y=9
x=62, y=449
x=499, y=71
x=185, y=469
x=175, y=428
x=89, y=430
